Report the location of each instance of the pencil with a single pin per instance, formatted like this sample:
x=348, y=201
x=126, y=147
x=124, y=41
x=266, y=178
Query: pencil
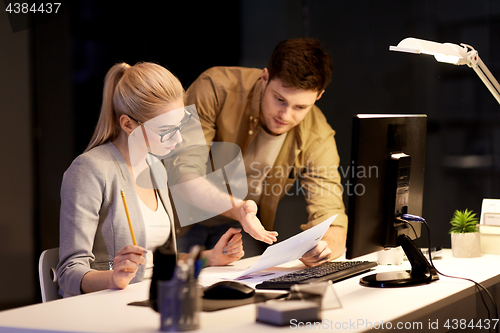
x=128, y=218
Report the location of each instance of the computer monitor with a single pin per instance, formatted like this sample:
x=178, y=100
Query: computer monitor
x=386, y=181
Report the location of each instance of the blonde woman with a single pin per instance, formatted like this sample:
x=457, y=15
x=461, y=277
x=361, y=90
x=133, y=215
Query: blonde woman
x=96, y=250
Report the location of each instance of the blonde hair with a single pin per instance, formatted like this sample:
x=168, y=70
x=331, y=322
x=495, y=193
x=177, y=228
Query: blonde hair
x=137, y=91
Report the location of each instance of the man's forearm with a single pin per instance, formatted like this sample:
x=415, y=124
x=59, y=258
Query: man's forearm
x=335, y=237
x=201, y=193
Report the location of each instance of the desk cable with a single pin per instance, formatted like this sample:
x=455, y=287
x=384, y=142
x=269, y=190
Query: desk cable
x=406, y=218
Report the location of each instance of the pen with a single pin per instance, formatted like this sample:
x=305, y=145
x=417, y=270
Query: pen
x=128, y=218
x=199, y=264
x=190, y=262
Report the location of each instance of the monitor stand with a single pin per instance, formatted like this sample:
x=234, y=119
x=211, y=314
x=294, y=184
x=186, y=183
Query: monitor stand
x=421, y=270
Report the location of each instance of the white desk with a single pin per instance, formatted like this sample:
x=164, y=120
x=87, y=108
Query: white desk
x=447, y=298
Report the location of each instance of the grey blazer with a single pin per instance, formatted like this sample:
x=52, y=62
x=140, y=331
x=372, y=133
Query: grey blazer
x=93, y=222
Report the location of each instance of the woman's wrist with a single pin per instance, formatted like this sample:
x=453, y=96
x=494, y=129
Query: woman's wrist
x=208, y=254
x=97, y=280
x=112, y=284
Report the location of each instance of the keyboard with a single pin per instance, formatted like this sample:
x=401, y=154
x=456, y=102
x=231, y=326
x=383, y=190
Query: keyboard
x=333, y=270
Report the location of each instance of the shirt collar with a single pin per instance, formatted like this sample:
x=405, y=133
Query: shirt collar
x=256, y=98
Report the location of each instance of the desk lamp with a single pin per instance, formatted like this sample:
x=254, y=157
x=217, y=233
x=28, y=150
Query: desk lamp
x=452, y=54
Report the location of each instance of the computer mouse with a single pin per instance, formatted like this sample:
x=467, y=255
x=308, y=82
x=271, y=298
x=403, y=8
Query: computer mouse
x=228, y=290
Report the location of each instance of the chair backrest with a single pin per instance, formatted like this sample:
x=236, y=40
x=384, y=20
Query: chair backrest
x=47, y=274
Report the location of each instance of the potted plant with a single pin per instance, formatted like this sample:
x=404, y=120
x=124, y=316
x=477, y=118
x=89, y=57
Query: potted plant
x=465, y=237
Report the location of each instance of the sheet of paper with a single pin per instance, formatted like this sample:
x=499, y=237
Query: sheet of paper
x=214, y=274
x=291, y=249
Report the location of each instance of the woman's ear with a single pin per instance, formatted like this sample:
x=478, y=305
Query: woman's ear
x=127, y=124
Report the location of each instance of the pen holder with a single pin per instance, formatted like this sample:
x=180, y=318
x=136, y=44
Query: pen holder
x=179, y=304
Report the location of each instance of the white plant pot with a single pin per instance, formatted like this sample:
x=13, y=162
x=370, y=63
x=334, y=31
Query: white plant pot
x=466, y=245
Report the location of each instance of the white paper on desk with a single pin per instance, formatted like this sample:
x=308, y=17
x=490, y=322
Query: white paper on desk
x=290, y=249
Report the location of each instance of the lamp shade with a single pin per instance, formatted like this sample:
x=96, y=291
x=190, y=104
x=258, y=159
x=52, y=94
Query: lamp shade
x=443, y=52
x=452, y=54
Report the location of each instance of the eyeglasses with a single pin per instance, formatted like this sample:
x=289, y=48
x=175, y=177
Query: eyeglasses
x=169, y=134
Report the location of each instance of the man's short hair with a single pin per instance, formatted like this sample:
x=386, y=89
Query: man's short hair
x=301, y=63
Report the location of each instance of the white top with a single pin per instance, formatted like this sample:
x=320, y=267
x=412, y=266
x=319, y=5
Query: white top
x=157, y=224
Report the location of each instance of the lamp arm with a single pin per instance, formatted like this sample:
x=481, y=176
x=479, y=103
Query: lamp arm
x=474, y=62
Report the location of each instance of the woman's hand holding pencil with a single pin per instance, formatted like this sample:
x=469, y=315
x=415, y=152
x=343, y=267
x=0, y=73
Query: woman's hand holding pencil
x=125, y=265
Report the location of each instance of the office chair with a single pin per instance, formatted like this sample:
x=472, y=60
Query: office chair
x=47, y=274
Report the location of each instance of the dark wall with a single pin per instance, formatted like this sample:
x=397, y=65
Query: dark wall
x=16, y=169
x=67, y=59
x=185, y=37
